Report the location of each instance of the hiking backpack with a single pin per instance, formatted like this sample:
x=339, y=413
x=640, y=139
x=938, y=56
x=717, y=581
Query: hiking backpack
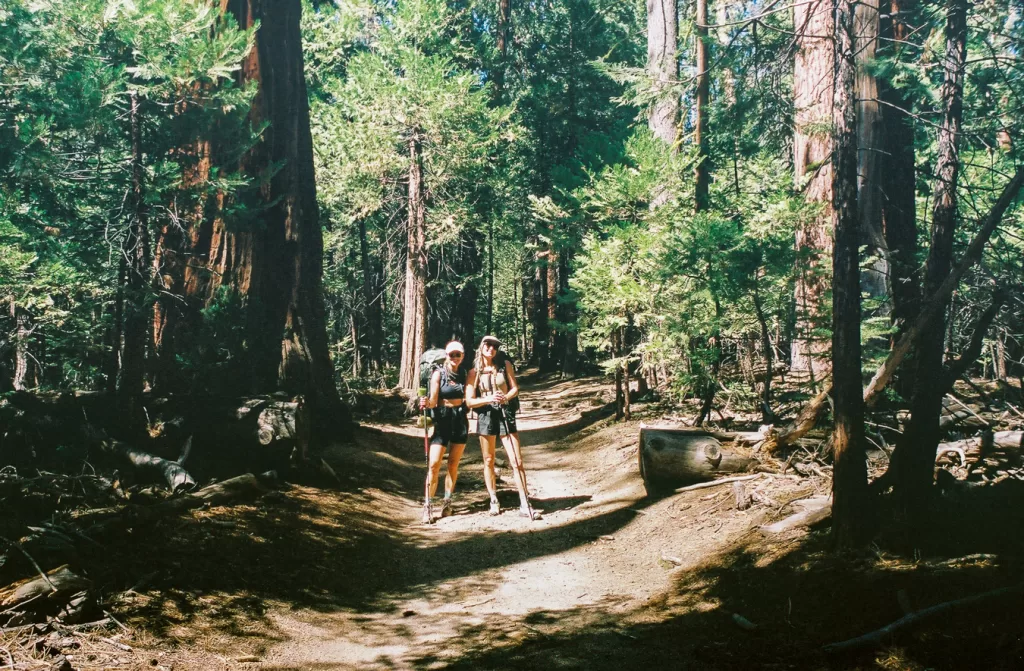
x=429, y=361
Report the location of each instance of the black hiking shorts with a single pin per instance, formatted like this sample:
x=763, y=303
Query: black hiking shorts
x=451, y=426
x=490, y=423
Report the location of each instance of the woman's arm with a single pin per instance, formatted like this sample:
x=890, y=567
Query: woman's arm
x=472, y=400
x=435, y=389
x=513, y=384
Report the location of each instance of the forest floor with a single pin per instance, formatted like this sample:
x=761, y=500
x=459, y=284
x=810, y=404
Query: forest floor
x=349, y=578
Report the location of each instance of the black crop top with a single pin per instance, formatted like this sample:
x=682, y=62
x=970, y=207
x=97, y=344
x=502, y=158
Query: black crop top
x=451, y=387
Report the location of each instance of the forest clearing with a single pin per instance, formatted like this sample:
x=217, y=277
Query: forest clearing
x=716, y=305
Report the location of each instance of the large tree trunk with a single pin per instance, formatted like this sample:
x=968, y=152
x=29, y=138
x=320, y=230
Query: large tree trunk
x=274, y=265
x=812, y=147
x=914, y=457
x=663, y=67
x=870, y=148
x=414, y=313
x=897, y=179
x=849, y=484
x=170, y=256
x=136, y=248
x=702, y=173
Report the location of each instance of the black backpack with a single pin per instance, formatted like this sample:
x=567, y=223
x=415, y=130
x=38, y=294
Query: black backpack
x=429, y=362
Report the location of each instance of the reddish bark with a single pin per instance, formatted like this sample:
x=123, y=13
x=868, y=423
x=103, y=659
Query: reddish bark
x=812, y=146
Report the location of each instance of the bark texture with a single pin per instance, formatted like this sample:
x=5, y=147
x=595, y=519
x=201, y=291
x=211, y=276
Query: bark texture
x=702, y=178
x=897, y=178
x=812, y=146
x=870, y=151
x=414, y=313
x=274, y=264
x=914, y=457
x=663, y=66
x=850, y=480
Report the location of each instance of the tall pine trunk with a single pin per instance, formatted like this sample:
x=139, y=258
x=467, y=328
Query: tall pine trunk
x=373, y=336
x=897, y=178
x=812, y=145
x=702, y=177
x=663, y=67
x=849, y=484
x=414, y=312
x=870, y=148
x=914, y=457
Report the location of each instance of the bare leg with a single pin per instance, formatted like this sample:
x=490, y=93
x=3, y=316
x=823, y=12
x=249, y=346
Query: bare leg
x=436, y=454
x=487, y=451
x=454, y=456
x=515, y=461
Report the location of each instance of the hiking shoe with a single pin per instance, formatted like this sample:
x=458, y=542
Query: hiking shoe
x=446, y=508
x=525, y=512
x=495, y=509
x=427, y=519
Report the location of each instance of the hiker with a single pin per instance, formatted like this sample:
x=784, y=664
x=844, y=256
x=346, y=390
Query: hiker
x=492, y=390
x=445, y=399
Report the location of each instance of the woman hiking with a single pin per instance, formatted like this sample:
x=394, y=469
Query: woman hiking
x=445, y=399
x=489, y=388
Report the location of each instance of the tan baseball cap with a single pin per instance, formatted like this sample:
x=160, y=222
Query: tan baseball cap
x=490, y=338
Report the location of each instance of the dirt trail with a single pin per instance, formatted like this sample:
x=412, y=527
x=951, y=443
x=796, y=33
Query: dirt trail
x=473, y=582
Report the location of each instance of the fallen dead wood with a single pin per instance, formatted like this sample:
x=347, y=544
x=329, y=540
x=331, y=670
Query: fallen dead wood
x=49, y=589
x=1006, y=440
x=885, y=634
x=234, y=490
x=813, y=510
x=172, y=472
x=715, y=483
x=669, y=457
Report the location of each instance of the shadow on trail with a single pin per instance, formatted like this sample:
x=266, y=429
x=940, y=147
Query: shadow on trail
x=800, y=595
x=325, y=550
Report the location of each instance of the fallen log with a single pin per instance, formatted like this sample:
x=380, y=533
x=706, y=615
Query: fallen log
x=49, y=590
x=172, y=472
x=885, y=634
x=672, y=457
x=234, y=490
x=1004, y=440
x=812, y=511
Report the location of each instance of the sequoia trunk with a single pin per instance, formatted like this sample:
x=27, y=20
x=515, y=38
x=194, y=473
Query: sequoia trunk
x=274, y=265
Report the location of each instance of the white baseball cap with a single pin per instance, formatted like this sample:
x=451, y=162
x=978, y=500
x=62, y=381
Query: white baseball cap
x=454, y=346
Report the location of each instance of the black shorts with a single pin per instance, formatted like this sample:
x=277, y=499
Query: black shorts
x=490, y=423
x=451, y=426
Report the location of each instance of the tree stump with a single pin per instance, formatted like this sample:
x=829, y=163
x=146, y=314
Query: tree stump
x=671, y=458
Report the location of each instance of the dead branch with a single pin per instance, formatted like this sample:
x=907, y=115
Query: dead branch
x=715, y=483
x=881, y=636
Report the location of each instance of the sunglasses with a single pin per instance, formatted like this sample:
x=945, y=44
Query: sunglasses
x=492, y=345
x=455, y=355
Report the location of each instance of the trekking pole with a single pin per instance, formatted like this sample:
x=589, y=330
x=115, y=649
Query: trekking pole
x=519, y=462
x=426, y=458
